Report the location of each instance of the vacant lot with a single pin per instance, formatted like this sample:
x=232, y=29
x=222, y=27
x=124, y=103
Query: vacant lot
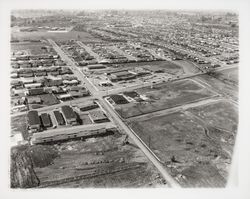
x=221, y=120
x=62, y=36
x=230, y=76
x=164, y=96
x=181, y=141
x=222, y=114
x=18, y=124
x=34, y=48
x=219, y=85
x=98, y=162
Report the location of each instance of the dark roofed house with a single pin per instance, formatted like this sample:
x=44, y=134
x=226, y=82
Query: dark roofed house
x=36, y=91
x=46, y=121
x=69, y=115
x=119, y=99
x=33, y=120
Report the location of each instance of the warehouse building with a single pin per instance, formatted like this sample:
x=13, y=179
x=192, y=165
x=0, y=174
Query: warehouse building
x=59, y=118
x=69, y=115
x=90, y=131
x=119, y=99
x=33, y=120
x=89, y=107
x=46, y=121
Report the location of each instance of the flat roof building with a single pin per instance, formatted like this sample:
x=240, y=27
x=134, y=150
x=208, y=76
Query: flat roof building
x=98, y=116
x=59, y=118
x=69, y=115
x=33, y=120
x=119, y=99
x=46, y=121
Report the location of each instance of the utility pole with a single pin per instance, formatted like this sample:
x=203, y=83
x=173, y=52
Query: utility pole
x=149, y=141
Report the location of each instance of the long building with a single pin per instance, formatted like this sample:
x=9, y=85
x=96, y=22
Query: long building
x=46, y=121
x=59, y=118
x=60, y=135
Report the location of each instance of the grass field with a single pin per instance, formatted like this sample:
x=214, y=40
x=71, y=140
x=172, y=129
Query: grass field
x=164, y=96
x=83, y=36
x=182, y=143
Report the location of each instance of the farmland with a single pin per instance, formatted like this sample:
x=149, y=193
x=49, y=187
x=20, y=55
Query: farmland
x=164, y=96
x=195, y=145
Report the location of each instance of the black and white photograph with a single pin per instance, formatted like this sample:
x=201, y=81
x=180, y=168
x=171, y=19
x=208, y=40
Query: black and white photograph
x=124, y=97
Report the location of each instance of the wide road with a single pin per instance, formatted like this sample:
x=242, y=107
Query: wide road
x=74, y=101
x=169, y=179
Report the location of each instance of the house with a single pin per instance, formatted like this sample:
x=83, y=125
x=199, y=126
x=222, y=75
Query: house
x=36, y=91
x=33, y=85
x=69, y=115
x=34, y=100
x=64, y=97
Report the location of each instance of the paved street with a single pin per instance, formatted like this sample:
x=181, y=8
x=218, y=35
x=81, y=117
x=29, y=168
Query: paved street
x=170, y=181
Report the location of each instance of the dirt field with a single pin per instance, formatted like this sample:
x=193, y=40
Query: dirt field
x=219, y=86
x=164, y=96
x=188, y=67
x=182, y=143
x=18, y=124
x=83, y=36
x=98, y=162
x=230, y=76
x=34, y=48
x=222, y=114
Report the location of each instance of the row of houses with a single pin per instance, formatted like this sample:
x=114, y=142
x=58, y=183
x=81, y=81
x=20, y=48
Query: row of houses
x=53, y=71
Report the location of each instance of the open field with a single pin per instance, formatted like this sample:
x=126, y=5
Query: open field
x=98, y=162
x=219, y=86
x=34, y=48
x=222, y=114
x=194, y=152
x=188, y=66
x=230, y=76
x=164, y=96
x=167, y=66
x=57, y=36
